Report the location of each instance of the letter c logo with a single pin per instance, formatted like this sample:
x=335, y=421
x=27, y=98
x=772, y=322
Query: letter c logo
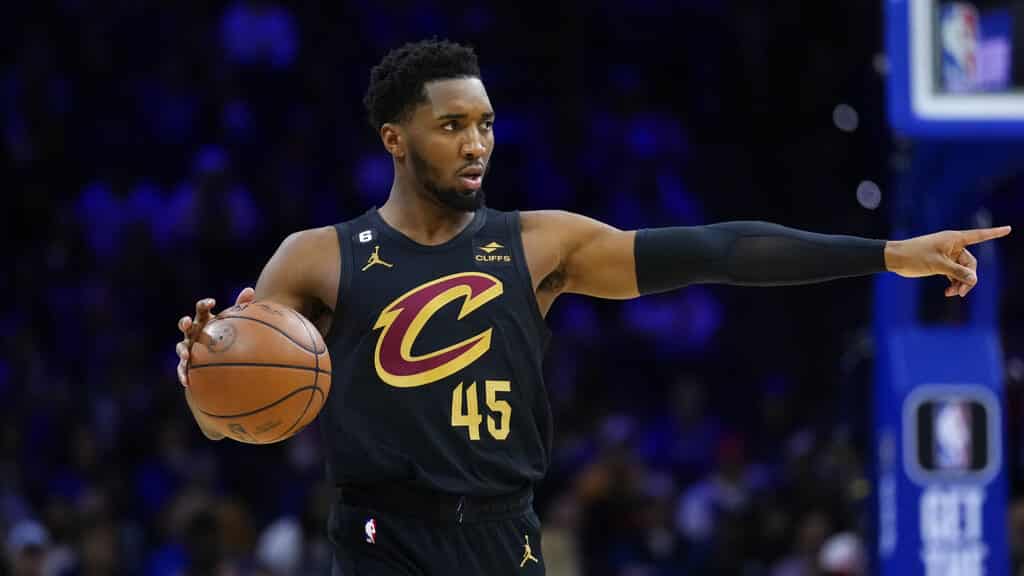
x=403, y=319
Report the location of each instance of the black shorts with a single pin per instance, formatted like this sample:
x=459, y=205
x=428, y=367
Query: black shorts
x=399, y=532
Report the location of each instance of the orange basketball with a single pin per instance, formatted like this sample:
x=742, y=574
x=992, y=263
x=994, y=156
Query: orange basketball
x=259, y=373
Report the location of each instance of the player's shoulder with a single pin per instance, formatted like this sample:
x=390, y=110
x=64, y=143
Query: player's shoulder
x=557, y=222
x=311, y=242
x=311, y=237
x=546, y=218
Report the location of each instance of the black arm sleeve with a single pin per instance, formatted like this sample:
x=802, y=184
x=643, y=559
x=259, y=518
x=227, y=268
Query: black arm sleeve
x=749, y=254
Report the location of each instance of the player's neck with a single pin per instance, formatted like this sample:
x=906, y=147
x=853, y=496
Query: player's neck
x=422, y=220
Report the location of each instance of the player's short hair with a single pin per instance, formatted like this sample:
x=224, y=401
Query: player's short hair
x=396, y=84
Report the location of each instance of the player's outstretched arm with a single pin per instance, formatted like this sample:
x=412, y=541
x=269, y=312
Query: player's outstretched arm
x=598, y=260
x=302, y=274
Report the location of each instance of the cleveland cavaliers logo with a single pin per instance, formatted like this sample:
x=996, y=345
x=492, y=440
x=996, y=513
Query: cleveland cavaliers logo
x=404, y=318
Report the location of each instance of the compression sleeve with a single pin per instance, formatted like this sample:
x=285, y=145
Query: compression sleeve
x=749, y=254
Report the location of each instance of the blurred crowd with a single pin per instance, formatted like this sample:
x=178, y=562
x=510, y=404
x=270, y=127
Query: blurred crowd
x=159, y=152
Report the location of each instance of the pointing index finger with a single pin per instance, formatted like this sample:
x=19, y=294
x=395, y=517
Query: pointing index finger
x=984, y=234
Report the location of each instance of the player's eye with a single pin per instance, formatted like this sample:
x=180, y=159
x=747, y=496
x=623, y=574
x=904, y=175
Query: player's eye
x=450, y=126
x=488, y=125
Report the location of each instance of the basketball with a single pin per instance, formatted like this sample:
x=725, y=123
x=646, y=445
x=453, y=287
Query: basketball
x=259, y=373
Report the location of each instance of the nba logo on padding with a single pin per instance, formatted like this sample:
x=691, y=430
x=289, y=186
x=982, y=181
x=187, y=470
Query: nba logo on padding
x=371, y=531
x=960, y=35
x=952, y=433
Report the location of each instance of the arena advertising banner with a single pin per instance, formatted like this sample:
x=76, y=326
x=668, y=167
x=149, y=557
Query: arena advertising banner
x=941, y=481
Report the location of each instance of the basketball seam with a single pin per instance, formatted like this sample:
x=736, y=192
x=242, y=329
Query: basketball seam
x=261, y=364
x=303, y=415
x=316, y=376
x=264, y=407
x=314, y=351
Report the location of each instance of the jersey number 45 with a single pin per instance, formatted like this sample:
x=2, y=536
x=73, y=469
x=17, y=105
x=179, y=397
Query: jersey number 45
x=471, y=418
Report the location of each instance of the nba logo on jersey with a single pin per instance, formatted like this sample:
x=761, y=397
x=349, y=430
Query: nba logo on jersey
x=960, y=35
x=371, y=531
x=952, y=434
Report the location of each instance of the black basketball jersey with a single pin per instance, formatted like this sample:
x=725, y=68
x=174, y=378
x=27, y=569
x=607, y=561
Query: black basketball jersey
x=436, y=355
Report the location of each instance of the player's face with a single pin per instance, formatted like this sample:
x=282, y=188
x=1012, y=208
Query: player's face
x=451, y=140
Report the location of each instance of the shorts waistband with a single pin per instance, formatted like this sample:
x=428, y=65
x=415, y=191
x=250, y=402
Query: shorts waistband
x=442, y=507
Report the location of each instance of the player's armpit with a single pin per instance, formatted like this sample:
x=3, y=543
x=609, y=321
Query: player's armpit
x=303, y=272
x=589, y=257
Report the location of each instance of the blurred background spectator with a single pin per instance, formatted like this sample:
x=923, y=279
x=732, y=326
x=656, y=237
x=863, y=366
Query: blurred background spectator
x=158, y=152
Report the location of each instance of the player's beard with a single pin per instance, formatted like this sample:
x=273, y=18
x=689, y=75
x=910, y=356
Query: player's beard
x=449, y=197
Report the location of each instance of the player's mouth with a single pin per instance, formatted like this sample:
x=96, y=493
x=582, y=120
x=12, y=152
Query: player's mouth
x=472, y=177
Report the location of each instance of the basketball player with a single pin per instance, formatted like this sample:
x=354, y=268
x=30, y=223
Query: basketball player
x=433, y=308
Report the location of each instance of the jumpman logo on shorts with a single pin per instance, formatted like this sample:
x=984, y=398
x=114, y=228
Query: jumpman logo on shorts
x=375, y=259
x=527, y=552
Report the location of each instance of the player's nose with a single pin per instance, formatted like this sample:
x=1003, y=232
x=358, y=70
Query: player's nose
x=474, y=146
x=473, y=151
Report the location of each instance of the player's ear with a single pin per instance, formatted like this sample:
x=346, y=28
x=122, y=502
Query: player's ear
x=394, y=139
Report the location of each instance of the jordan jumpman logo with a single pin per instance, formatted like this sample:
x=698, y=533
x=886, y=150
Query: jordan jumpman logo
x=527, y=552
x=375, y=259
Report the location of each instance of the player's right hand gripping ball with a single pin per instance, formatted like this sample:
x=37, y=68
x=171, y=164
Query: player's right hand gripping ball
x=259, y=372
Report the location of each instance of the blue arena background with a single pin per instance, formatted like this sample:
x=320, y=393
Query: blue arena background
x=155, y=153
